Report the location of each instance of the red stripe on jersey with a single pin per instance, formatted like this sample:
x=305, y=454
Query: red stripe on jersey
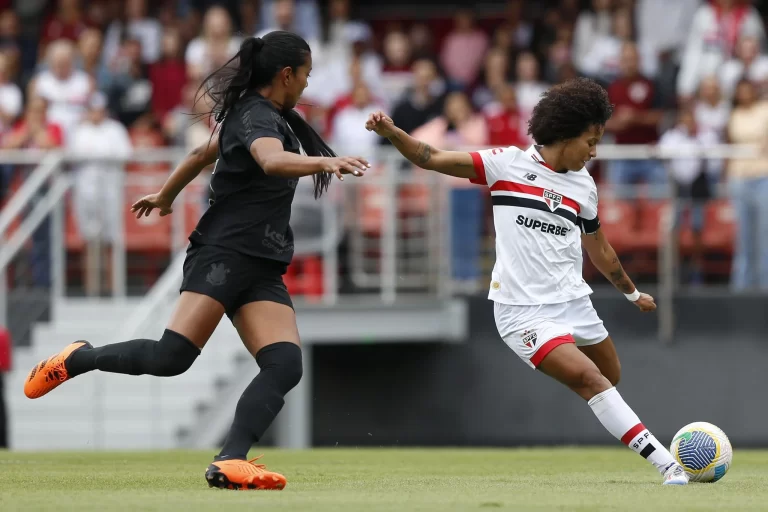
x=477, y=161
x=511, y=186
x=549, y=346
x=631, y=433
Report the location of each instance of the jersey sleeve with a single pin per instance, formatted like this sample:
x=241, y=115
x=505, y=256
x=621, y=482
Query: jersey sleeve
x=588, y=219
x=256, y=122
x=490, y=163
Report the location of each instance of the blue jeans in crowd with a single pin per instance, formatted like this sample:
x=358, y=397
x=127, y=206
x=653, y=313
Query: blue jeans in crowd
x=622, y=174
x=467, y=208
x=750, y=260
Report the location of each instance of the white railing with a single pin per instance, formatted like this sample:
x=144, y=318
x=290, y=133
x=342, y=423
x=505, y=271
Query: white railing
x=429, y=271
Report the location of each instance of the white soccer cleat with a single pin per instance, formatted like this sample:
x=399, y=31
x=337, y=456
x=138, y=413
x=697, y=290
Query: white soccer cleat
x=675, y=475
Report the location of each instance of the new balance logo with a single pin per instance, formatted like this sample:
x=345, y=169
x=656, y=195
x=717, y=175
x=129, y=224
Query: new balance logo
x=530, y=177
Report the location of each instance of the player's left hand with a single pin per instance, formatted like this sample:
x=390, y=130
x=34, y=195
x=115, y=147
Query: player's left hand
x=645, y=303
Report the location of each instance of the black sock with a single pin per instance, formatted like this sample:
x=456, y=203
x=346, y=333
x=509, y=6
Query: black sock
x=172, y=355
x=281, y=370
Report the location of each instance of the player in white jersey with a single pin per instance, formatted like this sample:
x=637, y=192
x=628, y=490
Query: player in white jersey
x=545, y=211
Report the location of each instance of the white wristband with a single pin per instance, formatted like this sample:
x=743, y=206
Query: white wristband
x=632, y=297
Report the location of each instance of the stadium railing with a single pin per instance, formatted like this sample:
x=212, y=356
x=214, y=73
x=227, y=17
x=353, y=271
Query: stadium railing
x=399, y=227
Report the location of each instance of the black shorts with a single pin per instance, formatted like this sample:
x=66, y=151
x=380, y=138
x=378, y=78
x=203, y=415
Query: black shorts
x=232, y=278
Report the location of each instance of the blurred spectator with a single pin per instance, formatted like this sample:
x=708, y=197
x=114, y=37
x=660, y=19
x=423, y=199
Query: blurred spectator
x=64, y=87
x=345, y=97
x=130, y=91
x=98, y=197
x=299, y=16
x=716, y=28
x=505, y=126
x=134, y=25
x=90, y=46
x=214, y=47
x=658, y=25
x=514, y=27
x=145, y=134
x=11, y=100
x=602, y=61
x=559, y=53
x=529, y=86
x=67, y=22
x=20, y=54
x=748, y=63
x=458, y=127
x=463, y=49
x=712, y=111
x=495, y=74
x=635, y=121
x=422, y=41
x=694, y=179
x=181, y=116
x=168, y=76
x=590, y=25
x=347, y=132
x=748, y=181
x=422, y=102
x=396, y=72
x=337, y=69
x=36, y=131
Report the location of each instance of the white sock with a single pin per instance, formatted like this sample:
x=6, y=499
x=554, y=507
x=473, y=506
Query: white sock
x=621, y=421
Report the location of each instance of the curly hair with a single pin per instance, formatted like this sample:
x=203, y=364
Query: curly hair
x=569, y=109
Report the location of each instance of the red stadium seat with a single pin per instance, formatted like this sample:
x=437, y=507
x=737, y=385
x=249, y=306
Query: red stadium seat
x=148, y=234
x=617, y=219
x=719, y=227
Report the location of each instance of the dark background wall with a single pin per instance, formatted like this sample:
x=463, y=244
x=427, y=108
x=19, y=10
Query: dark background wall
x=480, y=393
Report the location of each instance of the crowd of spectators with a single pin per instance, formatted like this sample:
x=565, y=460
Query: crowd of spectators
x=684, y=72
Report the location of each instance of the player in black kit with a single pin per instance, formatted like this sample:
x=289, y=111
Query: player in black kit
x=239, y=250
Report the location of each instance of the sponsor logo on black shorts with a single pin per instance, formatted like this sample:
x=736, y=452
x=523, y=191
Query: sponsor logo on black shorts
x=218, y=274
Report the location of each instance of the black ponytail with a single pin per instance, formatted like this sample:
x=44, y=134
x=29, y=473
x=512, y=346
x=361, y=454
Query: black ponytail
x=253, y=67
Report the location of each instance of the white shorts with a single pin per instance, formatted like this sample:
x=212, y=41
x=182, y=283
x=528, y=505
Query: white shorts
x=533, y=331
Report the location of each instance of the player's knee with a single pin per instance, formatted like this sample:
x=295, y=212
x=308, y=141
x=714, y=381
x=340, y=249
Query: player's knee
x=614, y=374
x=591, y=382
x=283, y=362
x=174, y=354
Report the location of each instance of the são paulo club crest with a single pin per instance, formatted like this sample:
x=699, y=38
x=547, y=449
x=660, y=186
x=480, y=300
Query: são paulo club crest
x=553, y=199
x=529, y=339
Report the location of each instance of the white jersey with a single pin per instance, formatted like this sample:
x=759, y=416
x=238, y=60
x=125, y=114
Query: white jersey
x=539, y=216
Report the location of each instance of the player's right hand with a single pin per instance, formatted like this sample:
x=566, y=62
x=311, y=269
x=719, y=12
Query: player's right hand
x=380, y=123
x=340, y=165
x=146, y=204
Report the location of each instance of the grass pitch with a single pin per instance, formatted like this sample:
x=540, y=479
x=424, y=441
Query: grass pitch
x=364, y=480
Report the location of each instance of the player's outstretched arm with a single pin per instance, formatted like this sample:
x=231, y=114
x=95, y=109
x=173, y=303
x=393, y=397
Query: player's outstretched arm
x=187, y=170
x=452, y=163
x=607, y=262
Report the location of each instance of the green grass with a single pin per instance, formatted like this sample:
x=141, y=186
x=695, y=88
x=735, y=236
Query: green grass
x=338, y=480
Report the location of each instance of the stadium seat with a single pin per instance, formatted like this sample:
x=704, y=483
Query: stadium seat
x=617, y=221
x=719, y=227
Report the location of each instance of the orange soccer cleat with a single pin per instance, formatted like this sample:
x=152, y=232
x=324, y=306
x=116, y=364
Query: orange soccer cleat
x=50, y=373
x=243, y=475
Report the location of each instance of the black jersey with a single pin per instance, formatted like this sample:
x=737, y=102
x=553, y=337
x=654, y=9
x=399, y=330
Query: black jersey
x=250, y=211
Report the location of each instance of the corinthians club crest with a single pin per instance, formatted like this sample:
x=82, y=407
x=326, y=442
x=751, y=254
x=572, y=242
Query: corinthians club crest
x=553, y=199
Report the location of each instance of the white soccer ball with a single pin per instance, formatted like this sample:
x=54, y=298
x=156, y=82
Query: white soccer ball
x=703, y=450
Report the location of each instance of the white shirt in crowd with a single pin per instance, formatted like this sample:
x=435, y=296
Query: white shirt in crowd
x=148, y=31
x=706, y=49
x=11, y=101
x=197, y=53
x=658, y=24
x=713, y=118
x=734, y=70
x=686, y=169
x=539, y=216
x=98, y=192
x=66, y=98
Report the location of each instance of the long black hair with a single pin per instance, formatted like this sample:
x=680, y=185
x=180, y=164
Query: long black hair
x=254, y=67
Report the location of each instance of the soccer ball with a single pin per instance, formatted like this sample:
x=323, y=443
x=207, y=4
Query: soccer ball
x=703, y=450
